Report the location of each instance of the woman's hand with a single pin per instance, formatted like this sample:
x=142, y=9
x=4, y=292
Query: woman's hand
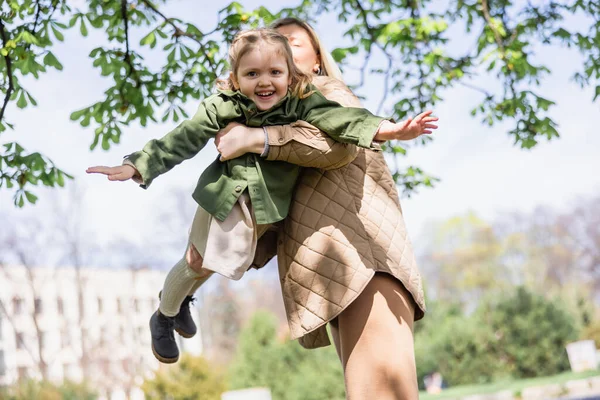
x=120, y=173
x=235, y=140
x=407, y=129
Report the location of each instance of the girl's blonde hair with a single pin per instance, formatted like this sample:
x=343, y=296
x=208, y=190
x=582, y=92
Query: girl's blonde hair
x=328, y=67
x=246, y=41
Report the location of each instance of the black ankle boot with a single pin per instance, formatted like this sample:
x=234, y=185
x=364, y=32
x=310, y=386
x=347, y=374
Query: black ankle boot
x=184, y=324
x=164, y=345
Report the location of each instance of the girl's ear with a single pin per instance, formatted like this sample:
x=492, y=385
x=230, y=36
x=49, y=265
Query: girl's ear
x=236, y=86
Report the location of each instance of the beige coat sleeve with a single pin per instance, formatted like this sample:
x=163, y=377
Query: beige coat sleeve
x=303, y=144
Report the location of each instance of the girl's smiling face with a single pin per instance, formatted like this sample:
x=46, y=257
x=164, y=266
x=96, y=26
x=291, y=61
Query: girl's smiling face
x=263, y=76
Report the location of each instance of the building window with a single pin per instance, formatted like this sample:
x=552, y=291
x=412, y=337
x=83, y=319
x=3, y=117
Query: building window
x=22, y=373
x=19, y=340
x=119, y=306
x=2, y=364
x=136, y=305
x=103, y=336
x=37, y=305
x=60, y=306
x=17, y=305
x=64, y=338
x=100, y=306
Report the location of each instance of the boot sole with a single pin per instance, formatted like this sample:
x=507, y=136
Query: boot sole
x=164, y=359
x=184, y=334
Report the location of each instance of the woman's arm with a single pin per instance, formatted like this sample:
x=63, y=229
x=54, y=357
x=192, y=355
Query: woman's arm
x=305, y=145
x=299, y=143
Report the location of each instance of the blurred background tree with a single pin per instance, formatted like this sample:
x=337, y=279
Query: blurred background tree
x=191, y=378
x=266, y=359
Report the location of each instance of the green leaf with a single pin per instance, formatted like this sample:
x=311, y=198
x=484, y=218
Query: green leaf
x=83, y=28
x=60, y=179
x=31, y=99
x=22, y=103
x=96, y=22
x=105, y=142
x=597, y=92
x=52, y=61
x=75, y=115
x=28, y=38
x=95, y=142
x=59, y=36
x=149, y=39
x=32, y=198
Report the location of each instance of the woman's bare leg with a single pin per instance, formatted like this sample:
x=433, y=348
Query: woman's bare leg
x=335, y=335
x=376, y=343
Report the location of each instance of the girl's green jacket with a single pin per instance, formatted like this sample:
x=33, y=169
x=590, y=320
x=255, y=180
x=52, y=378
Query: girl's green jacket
x=269, y=183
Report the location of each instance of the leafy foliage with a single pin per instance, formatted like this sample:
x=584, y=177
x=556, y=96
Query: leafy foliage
x=413, y=37
x=31, y=389
x=531, y=332
x=519, y=335
x=291, y=372
x=190, y=378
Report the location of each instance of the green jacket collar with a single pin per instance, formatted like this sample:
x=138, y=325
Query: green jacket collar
x=245, y=100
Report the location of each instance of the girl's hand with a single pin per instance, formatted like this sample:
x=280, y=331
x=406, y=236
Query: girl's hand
x=235, y=140
x=120, y=173
x=407, y=129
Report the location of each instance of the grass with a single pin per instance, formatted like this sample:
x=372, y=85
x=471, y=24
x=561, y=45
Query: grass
x=515, y=386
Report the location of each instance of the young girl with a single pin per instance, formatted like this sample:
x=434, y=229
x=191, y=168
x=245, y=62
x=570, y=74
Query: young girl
x=240, y=198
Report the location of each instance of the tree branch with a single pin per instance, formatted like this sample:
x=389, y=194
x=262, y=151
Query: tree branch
x=415, y=14
x=488, y=19
x=127, y=57
x=477, y=88
x=180, y=32
x=9, y=73
x=37, y=17
x=371, y=33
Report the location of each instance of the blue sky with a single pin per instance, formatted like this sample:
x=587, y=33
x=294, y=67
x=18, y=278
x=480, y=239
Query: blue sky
x=480, y=169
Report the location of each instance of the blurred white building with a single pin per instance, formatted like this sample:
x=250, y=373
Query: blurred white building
x=40, y=314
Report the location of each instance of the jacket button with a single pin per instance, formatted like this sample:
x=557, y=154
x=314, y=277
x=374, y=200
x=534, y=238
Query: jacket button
x=280, y=140
x=238, y=188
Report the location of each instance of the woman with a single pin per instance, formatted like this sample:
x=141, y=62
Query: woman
x=343, y=252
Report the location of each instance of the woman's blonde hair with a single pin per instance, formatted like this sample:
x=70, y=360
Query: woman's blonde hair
x=246, y=41
x=328, y=67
